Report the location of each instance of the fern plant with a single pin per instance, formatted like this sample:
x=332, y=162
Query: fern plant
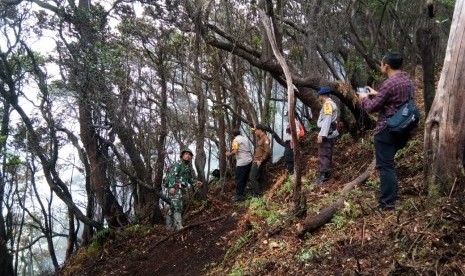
x=238, y=244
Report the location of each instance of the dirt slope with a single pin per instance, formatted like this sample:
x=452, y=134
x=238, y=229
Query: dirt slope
x=259, y=237
x=155, y=251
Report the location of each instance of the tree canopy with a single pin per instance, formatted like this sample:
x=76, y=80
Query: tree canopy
x=98, y=97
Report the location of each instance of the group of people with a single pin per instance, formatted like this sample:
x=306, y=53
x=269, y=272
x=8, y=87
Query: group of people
x=327, y=134
x=391, y=95
x=180, y=175
x=256, y=164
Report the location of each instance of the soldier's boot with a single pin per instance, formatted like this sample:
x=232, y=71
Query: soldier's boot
x=169, y=222
x=324, y=176
x=178, y=221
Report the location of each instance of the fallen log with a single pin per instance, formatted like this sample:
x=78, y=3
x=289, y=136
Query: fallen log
x=312, y=223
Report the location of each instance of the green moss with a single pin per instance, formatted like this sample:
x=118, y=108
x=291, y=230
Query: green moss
x=135, y=230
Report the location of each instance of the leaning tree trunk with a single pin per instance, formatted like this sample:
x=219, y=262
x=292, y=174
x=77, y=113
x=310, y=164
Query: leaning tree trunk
x=444, y=127
x=298, y=199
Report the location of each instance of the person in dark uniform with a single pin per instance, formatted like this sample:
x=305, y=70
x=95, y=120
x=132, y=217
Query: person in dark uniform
x=327, y=122
x=261, y=156
x=289, y=145
x=240, y=148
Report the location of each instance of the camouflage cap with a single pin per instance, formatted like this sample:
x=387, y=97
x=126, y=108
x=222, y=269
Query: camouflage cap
x=186, y=150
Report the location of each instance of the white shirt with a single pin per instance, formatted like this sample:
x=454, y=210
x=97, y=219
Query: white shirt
x=243, y=155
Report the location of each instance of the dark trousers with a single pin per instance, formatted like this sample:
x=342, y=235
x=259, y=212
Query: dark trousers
x=256, y=177
x=289, y=157
x=242, y=174
x=325, y=154
x=386, y=146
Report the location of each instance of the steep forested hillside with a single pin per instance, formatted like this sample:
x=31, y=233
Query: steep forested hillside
x=99, y=99
x=260, y=236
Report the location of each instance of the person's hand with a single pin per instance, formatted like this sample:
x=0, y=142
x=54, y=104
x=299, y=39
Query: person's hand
x=228, y=153
x=320, y=139
x=172, y=191
x=199, y=183
x=258, y=163
x=371, y=92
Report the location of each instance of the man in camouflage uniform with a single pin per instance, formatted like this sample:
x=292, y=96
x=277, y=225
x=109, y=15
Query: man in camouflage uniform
x=178, y=180
x=328, y=132
x=261, y=156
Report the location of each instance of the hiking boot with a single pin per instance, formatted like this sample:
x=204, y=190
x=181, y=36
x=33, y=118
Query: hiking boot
x=169, y=222
x=178, y=221
x=238, y=198
x=385, y=207
x=322, y=178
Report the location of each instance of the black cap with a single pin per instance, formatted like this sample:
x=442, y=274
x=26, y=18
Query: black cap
x=261, y=127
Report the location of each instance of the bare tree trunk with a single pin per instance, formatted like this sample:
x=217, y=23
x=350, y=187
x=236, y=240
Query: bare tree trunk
x=146, y=208
x=221, y=130
x=200, y=158
x=298, y=203
x=266, y=104
x=6, y=259
x=243, y=100
x=99, y=185
x=88, y=230
x=445, y=124
x=46, y=225
x=89, y=85
x=427, y=40
x=71, y=236
x=160, y=146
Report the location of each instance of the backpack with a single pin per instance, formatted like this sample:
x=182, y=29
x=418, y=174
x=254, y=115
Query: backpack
x=301, y=131
x=405, y=118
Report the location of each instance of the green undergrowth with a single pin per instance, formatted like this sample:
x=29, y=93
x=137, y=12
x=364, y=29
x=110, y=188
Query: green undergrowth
x=100, y=238
x=269, y=211
x=410, y=238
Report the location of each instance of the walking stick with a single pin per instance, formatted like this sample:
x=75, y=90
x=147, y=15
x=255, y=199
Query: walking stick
x=190, y=201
